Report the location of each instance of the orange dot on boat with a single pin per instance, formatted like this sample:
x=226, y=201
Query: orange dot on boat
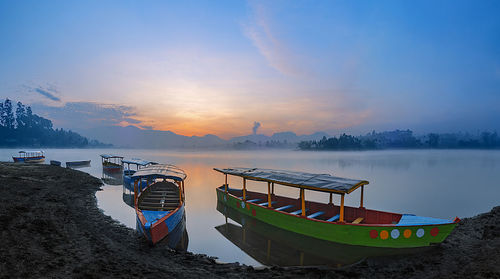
x=384, y=234
x=407, y=233
x=434, y=231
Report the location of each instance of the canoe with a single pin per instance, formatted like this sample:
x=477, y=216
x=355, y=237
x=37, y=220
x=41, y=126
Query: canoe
x=112, y=163
x=327, y=221
x=75, y=164
x=160, y=206
x=55, y=163
x=29, y=157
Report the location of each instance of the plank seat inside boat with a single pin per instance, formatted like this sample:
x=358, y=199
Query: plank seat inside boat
x=160, y=196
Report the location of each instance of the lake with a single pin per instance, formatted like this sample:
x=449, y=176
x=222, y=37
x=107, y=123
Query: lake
x=434, y=183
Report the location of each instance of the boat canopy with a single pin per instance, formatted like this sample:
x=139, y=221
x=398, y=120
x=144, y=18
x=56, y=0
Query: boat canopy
x=161, y=171
x=109, y=156
x=31, y=151
x=311, y=181
x=139, y=162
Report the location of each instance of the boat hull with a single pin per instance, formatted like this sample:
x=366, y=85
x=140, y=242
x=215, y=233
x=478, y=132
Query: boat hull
x=39, y=159
x=160, y=229
x=390, y=235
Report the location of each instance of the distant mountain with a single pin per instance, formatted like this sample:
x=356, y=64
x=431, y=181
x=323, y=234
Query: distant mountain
x=133, y=137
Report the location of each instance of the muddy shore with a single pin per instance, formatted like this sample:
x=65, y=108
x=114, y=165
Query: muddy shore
x=50, y=226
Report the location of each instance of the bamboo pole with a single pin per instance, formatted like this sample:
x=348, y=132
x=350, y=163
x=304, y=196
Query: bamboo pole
x=303, y=202
x=135, y=192
x=244, y=189
x=362, y=190
x=341, y=208
x=225, y=185
x=269, y=195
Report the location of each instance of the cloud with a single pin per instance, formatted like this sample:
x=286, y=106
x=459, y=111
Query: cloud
x=256, y=126
x=46, y=93
x=278, y=55
x=86, y=115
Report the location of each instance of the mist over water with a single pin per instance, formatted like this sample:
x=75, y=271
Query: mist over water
x=434, y=183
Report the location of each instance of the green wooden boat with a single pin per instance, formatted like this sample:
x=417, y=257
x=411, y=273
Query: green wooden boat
x=327, y=221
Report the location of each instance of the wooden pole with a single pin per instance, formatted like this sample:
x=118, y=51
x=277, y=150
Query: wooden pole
x=341, y=208
x=269, y=195
x=225, y=185
x=135, y=192
x=244, y=189
x=362, y=190
x=303, y=202
x=180, y=191
x=272, y=190
x=331, y=198
x=183, y=193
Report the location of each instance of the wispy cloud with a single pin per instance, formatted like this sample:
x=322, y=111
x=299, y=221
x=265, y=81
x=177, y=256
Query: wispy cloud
x=259, y=30
x=47, y=94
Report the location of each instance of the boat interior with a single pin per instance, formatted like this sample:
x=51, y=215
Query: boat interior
x=160, y=196
x=319, y=211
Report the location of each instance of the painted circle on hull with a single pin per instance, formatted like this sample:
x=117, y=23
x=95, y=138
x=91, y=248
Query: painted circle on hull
x=384, y=234
x=407, y=233
x=434, y=231
x=420, y=232
x=253, y=212
x=242, y=204
x=395, y=233
x=373, y=234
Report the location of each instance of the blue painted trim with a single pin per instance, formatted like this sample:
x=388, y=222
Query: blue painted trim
x=284, y=207
x=334, y=218
x=319, y=213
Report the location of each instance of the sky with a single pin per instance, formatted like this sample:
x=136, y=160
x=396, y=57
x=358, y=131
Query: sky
x=220, y=67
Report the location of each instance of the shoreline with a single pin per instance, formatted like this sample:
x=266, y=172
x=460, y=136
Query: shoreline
x=51, y=227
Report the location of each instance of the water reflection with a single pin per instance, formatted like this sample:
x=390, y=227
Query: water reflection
x=177, y=239
x=111, y=178
x=270, y=245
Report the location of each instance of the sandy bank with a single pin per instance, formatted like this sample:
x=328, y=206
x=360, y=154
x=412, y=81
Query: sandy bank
x=50, y=226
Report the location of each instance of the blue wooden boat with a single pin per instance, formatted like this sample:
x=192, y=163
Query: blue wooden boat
x=112, y=163
x=129, y=168
x=30, y=157
x=160, y=206
x=78, y=164
x=55, y=163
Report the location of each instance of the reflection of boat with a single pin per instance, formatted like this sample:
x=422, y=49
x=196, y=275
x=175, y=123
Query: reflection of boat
x=160, y=206
x=55, y=163
x=30, y=157
x=78, y=164
x=270, y=245
x=112, y=178
x=341, y=224
x=131, y=167
x=112, y=163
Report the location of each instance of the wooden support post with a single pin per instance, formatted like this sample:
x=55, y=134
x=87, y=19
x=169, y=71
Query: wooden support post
x=341, y=208
x=272, y=190
x=269, y=195
x=180, y=191
x=225, y=185
x=303, y=201
x=183, y=193
x=135, y=192
x=331, y=198
x=362, y=190
x=244, y=189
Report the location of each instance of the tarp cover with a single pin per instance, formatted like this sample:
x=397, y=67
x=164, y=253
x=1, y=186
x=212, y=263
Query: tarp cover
x=109, y=156
x=161, y=171
x=139, y=162
x=313, y=181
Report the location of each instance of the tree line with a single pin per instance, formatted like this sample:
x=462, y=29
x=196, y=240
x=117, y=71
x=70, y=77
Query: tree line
x=21, y=127
x=404, y=139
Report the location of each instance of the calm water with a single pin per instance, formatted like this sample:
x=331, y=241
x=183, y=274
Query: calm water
x=434, y=183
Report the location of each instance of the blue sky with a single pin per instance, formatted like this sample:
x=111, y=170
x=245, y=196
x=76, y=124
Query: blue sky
x=198, y=67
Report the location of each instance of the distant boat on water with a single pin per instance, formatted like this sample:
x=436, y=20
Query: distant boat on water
x=112, y=163
x=55, y=163
x=36, y=156
x=77, y=164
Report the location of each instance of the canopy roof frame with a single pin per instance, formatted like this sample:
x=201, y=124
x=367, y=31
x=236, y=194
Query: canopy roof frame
x=246, y=173
x=109, y=156
x=166, y=171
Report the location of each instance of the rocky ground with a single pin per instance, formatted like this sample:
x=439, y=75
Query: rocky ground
x=50, y=226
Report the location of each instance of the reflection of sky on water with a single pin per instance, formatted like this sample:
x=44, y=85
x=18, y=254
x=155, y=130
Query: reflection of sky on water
x=436, y=183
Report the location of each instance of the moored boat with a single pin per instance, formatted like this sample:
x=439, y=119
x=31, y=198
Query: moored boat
x=112, y=163
x=55, y=163
x=76, y=164
x=336, y=223
x=36, y=156
x=132, y=166
x=160, y=206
